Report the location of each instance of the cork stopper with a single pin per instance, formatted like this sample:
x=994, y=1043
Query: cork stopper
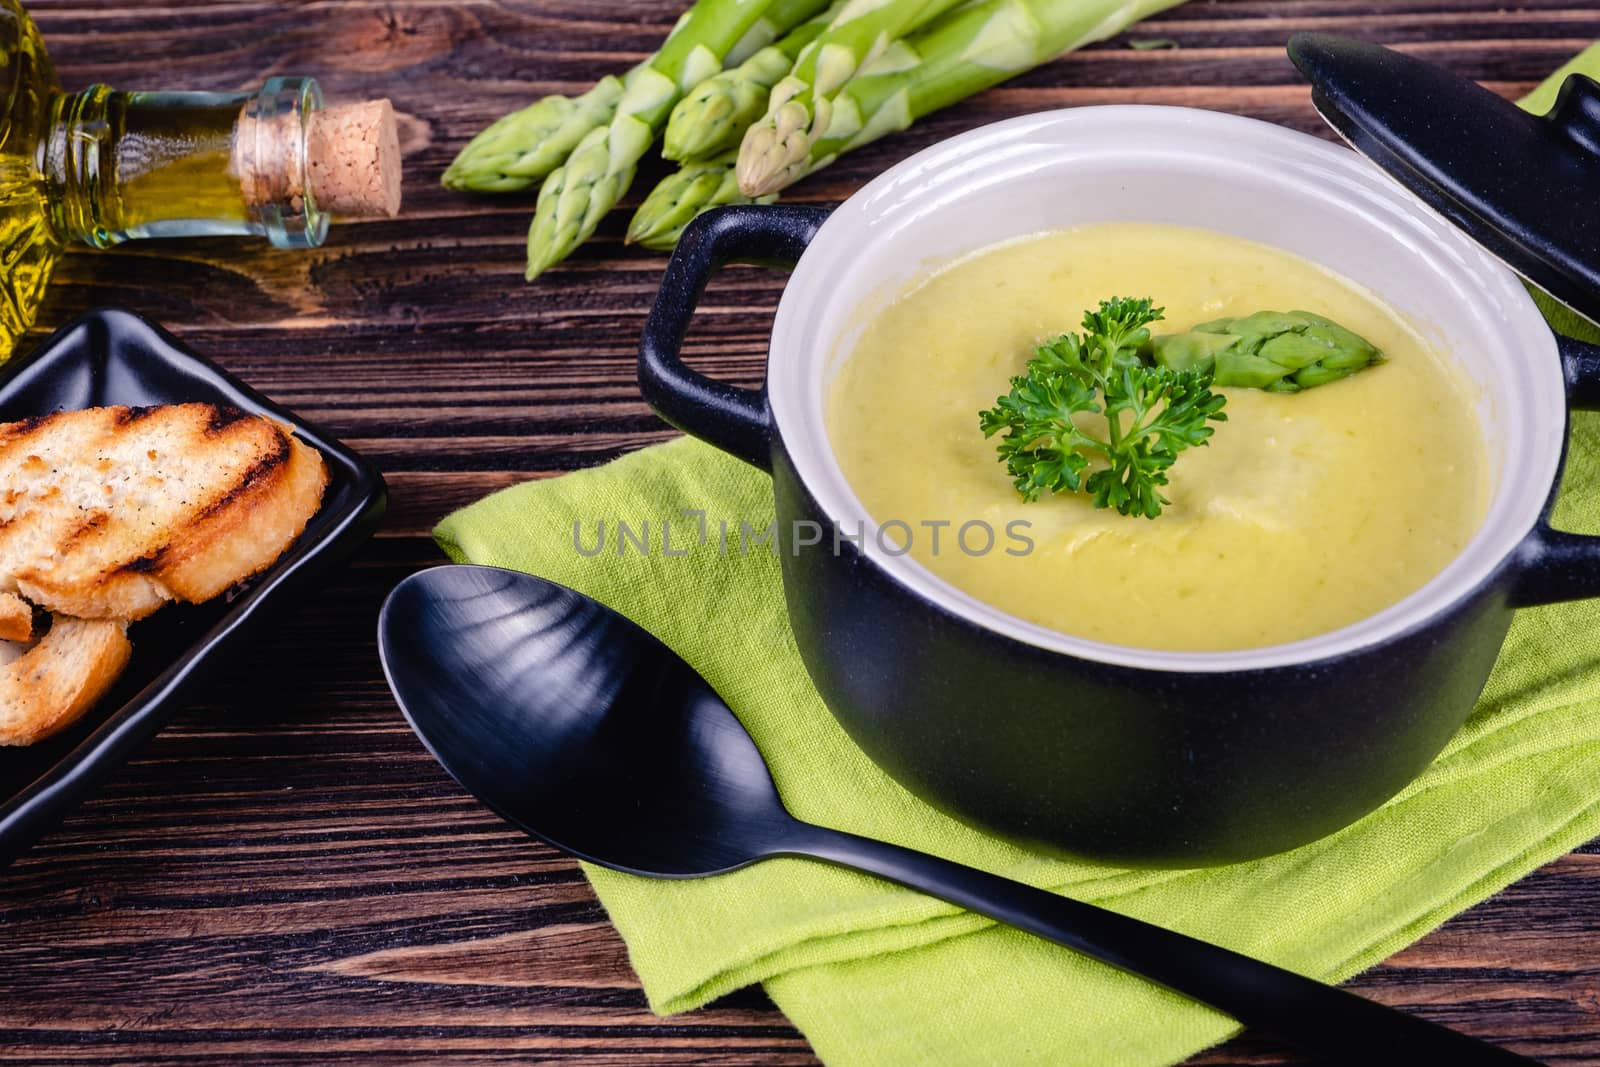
x=351, y=160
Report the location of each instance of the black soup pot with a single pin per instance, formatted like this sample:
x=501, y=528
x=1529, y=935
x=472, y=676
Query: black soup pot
x=1123, y=754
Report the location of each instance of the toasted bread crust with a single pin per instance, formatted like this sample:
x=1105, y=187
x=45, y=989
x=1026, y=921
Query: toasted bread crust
x=111, y=512
x=58, y=679
x=16, y=618
x=231, y=543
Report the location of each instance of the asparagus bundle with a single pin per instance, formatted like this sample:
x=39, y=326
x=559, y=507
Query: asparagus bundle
x=519, y=150
x=842, y=80
x=965, y=51
x=1281, y=352
x=714, y=116
x=801, y=105
x=578, y=194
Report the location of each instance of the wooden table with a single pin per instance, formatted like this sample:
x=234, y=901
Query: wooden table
x=285, y=876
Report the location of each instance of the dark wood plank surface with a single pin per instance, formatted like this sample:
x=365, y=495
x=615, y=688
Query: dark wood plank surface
x=284, y=876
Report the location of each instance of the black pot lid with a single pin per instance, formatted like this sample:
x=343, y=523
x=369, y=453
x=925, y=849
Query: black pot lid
x=1526, y=187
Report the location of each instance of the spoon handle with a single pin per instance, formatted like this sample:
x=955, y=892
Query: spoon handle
x=1319, y=1020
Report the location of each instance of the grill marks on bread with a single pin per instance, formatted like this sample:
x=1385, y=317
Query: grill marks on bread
x=110, y=512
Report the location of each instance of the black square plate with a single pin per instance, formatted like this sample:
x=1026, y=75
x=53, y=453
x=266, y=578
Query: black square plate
x=115, y=357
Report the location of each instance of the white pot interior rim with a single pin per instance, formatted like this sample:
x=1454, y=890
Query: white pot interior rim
x=1195, y=168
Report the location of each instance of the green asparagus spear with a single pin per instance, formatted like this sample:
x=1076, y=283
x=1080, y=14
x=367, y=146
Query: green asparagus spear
x=682, y=195
x=958, y=55
x=577, y=194
x=1281, y=352
x=800, y=107
x=777, y=22
x=715, y=114
x=517, y=150
x=691, y=190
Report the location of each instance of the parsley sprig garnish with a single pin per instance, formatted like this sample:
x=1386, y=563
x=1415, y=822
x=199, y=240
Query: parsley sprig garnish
x=1151, y=413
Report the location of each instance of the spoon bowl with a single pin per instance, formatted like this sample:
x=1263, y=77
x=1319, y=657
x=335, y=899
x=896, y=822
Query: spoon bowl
x=583, y=730
x=575, y=725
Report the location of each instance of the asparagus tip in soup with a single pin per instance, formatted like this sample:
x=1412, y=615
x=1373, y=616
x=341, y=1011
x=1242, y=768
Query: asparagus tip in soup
x=1279, y=351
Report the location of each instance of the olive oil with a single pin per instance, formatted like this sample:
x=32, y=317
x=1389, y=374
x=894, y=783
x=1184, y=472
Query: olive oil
x=28, y=242
x=100, y=167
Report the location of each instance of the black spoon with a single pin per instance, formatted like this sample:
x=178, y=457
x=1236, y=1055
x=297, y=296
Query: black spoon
x=585, y=731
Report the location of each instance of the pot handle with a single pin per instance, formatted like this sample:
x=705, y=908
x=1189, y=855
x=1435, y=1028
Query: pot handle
x=733, y=418
x=1554, y=565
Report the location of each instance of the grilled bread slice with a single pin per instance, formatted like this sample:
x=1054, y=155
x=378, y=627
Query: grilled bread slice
x=110, y=512
x=45, y=688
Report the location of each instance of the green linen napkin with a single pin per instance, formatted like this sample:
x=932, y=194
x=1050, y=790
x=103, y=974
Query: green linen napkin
x=874, y=974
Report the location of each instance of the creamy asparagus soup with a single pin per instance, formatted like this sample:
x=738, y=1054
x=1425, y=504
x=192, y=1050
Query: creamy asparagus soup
x=1303, y=513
